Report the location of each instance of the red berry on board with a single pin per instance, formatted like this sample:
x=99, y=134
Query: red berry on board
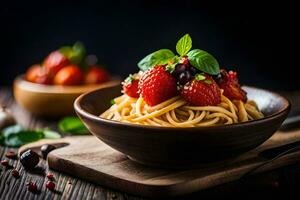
x=230, y=84
x=15, y=173
x=96, y=74
x=32, y=187
x=201, y=91
x=50, y=185
x=11, y=154
x=5, y=163
x=54, y=62
x=157, y=85
x=50, y=176
x=69, y=75
x=131, y=86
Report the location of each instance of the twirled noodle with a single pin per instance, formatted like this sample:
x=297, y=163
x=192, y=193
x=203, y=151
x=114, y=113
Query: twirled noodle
x=175, y=112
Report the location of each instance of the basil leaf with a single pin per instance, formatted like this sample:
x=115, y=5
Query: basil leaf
x=72, y=125
x=204, y=61
x=78, y=53
x=184, y=45
x=23, y=137
x=16, y=135
x=75, y=54
x=159, y=57
x=11, y=130
x=49, y=134
x=66, y=51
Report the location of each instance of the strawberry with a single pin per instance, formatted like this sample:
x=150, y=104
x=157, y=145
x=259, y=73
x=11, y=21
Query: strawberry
x=230, y=84
x=95, y=75
x=54, y=62
x=38, y=74
x=130, y=86
x=69, y=75
x=201, y=91
x=157, y=85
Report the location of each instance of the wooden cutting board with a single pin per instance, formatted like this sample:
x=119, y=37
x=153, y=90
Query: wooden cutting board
x=88, y=158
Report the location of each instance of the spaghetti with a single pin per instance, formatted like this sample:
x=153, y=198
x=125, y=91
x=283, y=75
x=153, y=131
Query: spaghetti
x=176, y=112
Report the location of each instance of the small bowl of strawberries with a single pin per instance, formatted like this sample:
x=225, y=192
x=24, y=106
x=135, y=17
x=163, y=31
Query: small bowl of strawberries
x=49, y=89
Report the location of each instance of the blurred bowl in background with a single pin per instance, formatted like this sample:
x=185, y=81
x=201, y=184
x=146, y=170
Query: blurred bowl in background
x=51, y=100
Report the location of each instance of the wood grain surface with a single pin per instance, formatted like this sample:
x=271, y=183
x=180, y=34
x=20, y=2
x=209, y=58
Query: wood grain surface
x=69, y=187
x=88, y=158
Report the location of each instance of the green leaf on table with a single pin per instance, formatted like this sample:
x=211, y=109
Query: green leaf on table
x=159, y=57
x=49, y=134
x=72, y=125
x=11, y=130
x=204, y=61
x=17, y=135
x=23, y=137
x=184, y=45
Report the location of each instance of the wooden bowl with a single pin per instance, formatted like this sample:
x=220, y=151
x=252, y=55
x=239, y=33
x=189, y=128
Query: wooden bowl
x=51, y=100
x=181, y=147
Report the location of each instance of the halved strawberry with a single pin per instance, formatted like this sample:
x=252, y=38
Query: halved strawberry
x=201, y=91
x=157, y=85
x=230, y=84
x=130, y=86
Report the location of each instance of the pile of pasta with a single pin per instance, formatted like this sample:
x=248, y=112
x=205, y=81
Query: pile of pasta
x=175, y=112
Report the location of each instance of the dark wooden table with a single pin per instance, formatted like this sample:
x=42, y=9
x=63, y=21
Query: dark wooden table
x=277, y=182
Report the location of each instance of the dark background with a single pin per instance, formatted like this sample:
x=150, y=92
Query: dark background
x=257, y=40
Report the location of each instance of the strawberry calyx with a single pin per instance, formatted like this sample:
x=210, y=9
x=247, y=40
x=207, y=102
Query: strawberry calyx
x=203, y=77
x=130, y=78
x=130, y=85
x=184, y=60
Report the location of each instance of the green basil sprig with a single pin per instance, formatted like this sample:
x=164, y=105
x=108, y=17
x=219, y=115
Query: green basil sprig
x=200, y=59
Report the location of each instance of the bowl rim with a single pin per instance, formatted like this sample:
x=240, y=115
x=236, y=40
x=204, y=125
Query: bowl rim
x=20, y=82
x=86, y=114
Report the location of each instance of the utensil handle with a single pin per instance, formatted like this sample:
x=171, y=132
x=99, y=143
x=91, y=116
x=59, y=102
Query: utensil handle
x=295, y=148
x=292, y=121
